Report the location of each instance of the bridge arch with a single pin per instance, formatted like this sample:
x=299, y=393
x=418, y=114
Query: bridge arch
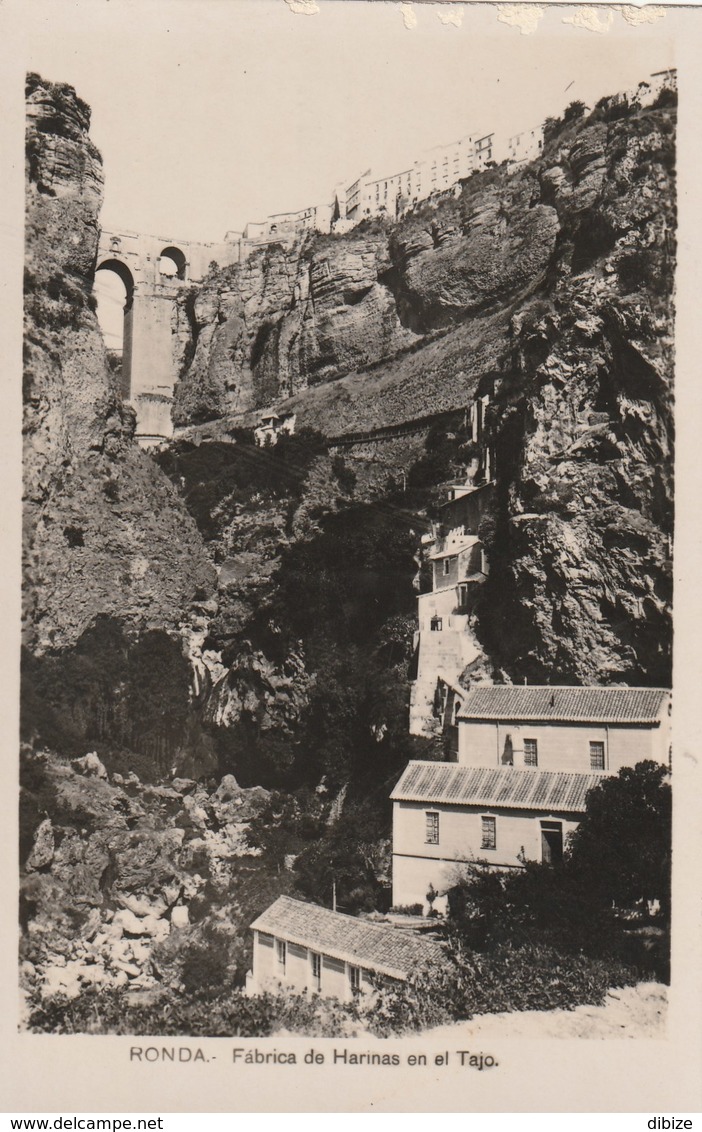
x=173, y=262
x=106, y=318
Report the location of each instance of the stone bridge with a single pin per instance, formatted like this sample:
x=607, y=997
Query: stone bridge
x=153, y=269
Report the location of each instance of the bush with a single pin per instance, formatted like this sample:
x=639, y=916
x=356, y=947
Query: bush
x=532, y=977
x=620, y=852
x=573, y=112
x=510, y=978
x=666, y=98
x=114, y=1011
x=424, y=1000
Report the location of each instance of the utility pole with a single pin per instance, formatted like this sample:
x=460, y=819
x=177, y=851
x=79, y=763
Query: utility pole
x=333, y=896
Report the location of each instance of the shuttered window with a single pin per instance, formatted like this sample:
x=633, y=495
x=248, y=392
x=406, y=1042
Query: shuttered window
x=280, y=952
x=432, y=827
x=597, y=756
x=489, y=832
x=531, y=752
x=316, y=970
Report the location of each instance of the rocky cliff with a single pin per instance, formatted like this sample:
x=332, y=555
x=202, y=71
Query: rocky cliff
x=290, y=319
x=104, y=531
x=582, y=424
x=550, y=287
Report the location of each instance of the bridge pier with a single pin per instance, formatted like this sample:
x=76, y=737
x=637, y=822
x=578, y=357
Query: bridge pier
x=153, y=270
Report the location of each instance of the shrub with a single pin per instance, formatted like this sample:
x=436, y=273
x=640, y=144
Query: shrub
x=114, y=1011
x=573, y=112
x=424, y=1000
x=209, y=963
x=666, y=98
x=532, y=977
x=621, y=850
x=345, y=476
x=510, y=978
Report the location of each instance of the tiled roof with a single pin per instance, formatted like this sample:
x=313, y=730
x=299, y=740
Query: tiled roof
x=515, y=789
x=589, y=705
x=377, y=947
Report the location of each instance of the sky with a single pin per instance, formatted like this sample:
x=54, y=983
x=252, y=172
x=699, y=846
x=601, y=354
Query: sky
x=212, y=113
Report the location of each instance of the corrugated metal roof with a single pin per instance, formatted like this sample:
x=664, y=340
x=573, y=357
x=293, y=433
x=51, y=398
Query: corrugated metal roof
x=377, y=947
x=512, y=788
x=590, y=705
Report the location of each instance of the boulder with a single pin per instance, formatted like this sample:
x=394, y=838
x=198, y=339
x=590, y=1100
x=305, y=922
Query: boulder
x=90, y=765
x=42, y=853
x=180, y=917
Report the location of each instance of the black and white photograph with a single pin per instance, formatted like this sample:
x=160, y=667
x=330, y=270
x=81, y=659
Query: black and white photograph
x=346, y=676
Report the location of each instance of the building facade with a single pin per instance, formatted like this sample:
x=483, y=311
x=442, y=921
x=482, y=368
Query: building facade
x=561, y=728
x=272, y=426
x=525, y=146
x=447, y=817
x=444, y=642
x=305, y=948
x=524, y=761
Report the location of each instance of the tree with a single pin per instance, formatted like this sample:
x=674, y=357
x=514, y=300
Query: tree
x=621, y=849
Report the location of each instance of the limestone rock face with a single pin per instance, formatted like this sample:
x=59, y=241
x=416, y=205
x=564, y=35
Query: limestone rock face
x=479, y=251
x=584, y=430
x=285, y=319
x=289, y=320
x=104, y=531
x=351, y=319
x=275, y=695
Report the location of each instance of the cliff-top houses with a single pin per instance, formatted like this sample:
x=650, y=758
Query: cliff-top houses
x=437, y=170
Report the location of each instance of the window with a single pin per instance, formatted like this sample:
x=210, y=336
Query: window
x=489, y=833
x=355, y=979
x=447, y=565
x=597, y=756
x=432, y=828
x=280, y=952
x=531, y=754
x=316, y=970
x=551, y=842
x=436, y=624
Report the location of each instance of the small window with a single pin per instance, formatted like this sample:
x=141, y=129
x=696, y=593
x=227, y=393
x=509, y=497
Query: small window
x=531, y=752
x=316, y=970
x=489, y=832
x=447, y=565
x=432, y=828
x=280, y=952
x=597, y=756
x=355, y=979
x=436, y=624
